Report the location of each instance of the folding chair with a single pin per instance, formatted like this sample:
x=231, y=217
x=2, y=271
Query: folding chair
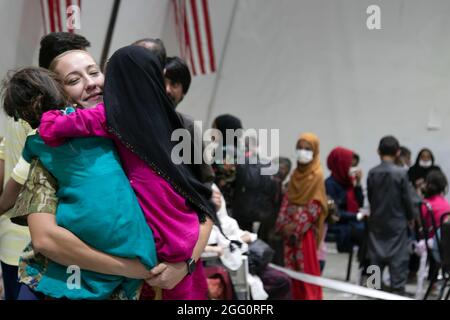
x=445, y=251
x=239, y=280
x=445, y=269
x=332, y=237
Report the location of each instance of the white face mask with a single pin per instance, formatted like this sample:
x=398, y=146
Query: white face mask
x=304, y=156
x=425, y=164
x=352, y=172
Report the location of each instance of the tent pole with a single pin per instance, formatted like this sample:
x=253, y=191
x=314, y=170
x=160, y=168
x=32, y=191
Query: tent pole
x=109, y=33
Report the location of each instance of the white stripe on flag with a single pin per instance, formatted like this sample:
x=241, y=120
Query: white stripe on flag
x=58, y=14
x=193, y=42
x=204, y=38
x=194, y=34
x=63, y=14
x=45, y=17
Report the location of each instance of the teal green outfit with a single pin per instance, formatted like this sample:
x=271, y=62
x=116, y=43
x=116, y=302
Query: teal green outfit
x=98, y=205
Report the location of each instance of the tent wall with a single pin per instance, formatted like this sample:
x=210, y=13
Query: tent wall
x=314, y=66
x=293, y=65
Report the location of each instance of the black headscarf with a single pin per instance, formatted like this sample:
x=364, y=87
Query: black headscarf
x=417, y=172
x=142, y=117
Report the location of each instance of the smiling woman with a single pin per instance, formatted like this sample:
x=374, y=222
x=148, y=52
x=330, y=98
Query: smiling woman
x=81, y=76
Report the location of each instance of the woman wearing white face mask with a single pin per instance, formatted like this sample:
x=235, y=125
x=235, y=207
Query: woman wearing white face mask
x=302, y=215
x=418, y=172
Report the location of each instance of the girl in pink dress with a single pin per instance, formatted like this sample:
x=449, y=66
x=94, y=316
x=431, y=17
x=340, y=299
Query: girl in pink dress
x=140, y=119
x=435, y=187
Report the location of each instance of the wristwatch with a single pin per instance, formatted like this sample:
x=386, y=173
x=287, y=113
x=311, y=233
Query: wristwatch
x=191, y=265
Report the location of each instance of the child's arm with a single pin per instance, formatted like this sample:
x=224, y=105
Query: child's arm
x=56, y=127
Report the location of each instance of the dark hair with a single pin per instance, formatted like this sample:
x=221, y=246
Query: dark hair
x=225, y=122
x=55, y=43
x=285, y=161
x=356, y=158
x=420, y=154
x=404, y=152
x=30, y=92
x=436, y=183
x=157, y=47
x=388, y=146
x=177, y=71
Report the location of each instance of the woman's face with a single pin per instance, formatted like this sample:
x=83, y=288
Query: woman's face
x=305, y=152
x=305, y=145
x=82, y=78
x=425, y=156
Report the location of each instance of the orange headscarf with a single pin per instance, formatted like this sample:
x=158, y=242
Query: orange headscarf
x=307, y=183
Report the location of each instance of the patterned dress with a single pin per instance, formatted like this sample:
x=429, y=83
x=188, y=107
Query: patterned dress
x=300, y=250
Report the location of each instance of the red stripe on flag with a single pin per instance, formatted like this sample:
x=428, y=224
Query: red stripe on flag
x=58, y=15
x=209, y=35
x=198, y=35
x=188, y=43
x=51, y=15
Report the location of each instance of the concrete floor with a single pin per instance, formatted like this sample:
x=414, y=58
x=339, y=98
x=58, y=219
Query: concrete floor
x=336, y=268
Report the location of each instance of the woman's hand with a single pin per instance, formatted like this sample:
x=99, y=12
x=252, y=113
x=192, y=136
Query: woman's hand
x=246, y=237
x=167, y=275
x=289, y=230
x=358, y=177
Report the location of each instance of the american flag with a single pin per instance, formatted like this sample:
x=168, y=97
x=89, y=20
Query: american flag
x=55, y=15
x=194, y=33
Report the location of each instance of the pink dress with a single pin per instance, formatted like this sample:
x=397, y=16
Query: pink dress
x=440, y=206
x=175, y=226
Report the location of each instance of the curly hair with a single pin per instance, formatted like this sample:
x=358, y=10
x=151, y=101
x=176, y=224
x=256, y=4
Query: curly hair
x=29, y=92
